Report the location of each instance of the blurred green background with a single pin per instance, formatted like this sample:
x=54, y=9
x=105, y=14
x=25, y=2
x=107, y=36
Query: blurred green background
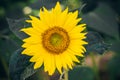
x=102, y=16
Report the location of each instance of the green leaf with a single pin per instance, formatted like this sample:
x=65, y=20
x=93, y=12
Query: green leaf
x=103, y=19
x=16, y=25
x=7, y=47
x=113, y=67
x=96, y=43
x=20, y=68
x=81, y=73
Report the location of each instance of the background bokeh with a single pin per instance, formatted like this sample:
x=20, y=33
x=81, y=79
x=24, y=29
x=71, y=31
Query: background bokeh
x=102, y=16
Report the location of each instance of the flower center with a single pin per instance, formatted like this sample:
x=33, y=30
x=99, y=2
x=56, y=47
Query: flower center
x=55, y=40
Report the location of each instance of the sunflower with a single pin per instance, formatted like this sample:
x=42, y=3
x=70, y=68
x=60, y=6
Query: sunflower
x=55, y=39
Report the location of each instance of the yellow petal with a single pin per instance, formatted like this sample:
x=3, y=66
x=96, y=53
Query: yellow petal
x=75, y=14
x=32, y=50
x=47, y=63
x=71, y=21
x=45, y=17
x=77, y=36
x=38, y=64
x=52, y=65
x=58, y=62
x=77, y=48
x=37, y=24
x=73, y=57
x=33, y=40
x=77, y=53
x=28, y=52
x=25, y=45
x=55, y=13
x=63, y=60
x=31, y=31
x=57, y=8
x=67, y=61
x=35, y=58
x=78, y=41
x=61, y=18
x=78, y=29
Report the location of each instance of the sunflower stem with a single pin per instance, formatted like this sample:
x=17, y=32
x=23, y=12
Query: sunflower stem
x=61, y=76
x=66, y=75
x=95, y=68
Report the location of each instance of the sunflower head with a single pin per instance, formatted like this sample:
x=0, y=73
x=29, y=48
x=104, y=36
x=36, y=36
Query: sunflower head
x=55, y=39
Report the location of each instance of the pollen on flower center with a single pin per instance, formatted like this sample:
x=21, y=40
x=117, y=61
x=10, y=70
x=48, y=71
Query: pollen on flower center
x=55, y=40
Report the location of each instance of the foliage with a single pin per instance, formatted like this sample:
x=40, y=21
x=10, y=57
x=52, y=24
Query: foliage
x=101, y=17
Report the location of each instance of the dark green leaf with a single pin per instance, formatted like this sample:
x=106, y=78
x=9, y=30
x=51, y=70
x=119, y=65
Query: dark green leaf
x=81, y=73
x=27, y=72
x=7, y=47
x=114, y=68
x=115, y=47
x=20, y=68
x=103, y=19
x=96, y=43
x=16, y=25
